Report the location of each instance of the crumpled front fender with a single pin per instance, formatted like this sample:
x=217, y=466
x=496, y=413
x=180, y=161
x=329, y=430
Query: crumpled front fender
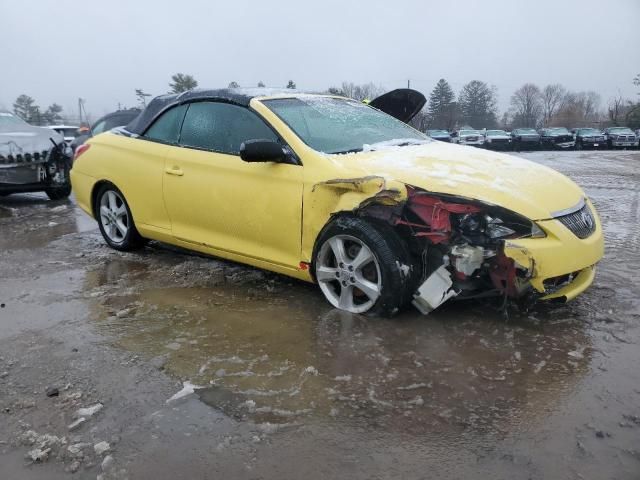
x=330, y=197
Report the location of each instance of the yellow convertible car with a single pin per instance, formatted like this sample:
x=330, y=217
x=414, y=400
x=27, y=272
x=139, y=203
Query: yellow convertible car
x=333, y=191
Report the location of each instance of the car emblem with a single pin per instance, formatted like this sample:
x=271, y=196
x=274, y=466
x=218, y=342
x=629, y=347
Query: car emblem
x=587, y=220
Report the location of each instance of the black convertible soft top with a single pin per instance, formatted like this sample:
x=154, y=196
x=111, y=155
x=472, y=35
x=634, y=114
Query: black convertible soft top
x=402, y=104
x=239, y=96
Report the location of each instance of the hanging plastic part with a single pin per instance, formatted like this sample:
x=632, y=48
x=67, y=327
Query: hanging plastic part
x=503, y=276
x=435, y=290
x=467, y=259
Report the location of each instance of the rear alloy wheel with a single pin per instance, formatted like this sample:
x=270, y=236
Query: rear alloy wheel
x=362, y=268
x=115, y=220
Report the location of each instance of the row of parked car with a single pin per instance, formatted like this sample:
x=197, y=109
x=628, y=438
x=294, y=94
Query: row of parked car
x=545, y=138
x=75, y=135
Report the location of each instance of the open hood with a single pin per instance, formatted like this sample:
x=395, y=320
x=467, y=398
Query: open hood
x=403, y=103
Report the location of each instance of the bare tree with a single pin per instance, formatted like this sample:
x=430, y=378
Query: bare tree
x=552, y=97
x=579, y=109
x=366, y=91
x=616, y=109
x=505, y=122
x=591, y=105
x=526, y=103
x=421, y=121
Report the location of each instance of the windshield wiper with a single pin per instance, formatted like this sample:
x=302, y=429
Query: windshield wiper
x=397, y=142
x=353, y=150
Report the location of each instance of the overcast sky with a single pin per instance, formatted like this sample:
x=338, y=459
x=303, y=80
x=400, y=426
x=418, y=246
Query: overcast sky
x=59, y=50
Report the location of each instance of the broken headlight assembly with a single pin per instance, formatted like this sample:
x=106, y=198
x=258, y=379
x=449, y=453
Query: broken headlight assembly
x=497, y=225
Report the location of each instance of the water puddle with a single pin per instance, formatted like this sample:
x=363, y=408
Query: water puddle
x=271, y=350
x=32, y=221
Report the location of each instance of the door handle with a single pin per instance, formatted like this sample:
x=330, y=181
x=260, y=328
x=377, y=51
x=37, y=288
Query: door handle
x=175, y=170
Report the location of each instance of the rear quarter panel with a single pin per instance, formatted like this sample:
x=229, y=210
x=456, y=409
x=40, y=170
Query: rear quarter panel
x=134, y=166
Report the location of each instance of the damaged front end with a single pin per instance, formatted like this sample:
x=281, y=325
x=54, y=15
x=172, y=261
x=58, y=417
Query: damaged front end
x=45, y=170
x=465, y=248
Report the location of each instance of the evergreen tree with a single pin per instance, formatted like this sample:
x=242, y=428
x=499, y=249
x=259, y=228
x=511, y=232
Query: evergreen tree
x=291, y=84
x=52, y=115
x=477, y=103
x=442, y=106
x=25, y=107
x=182, y=82
x=260, y=84
x=142, y=97
x=234, y=84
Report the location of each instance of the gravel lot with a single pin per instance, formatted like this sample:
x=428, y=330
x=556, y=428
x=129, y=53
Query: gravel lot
x=295, y=389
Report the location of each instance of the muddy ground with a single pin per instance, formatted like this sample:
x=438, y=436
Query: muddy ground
x=295, y=389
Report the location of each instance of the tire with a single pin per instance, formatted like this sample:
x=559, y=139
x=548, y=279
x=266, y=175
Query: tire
x=58, y=193
x=115, y=220
x=363, y=267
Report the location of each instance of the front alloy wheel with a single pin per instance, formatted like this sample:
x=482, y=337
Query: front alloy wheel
x=349, y=274
x=363, y=266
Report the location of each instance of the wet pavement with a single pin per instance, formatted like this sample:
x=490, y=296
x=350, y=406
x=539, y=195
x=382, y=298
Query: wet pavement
x=291, y=388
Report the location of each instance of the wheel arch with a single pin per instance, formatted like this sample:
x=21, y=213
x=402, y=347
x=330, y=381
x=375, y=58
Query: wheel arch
x=94, y=195
x=379, y=224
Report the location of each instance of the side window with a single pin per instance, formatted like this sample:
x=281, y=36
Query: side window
x=222, y=127
x=167, y=128
x=98, y=127
x=115, y=121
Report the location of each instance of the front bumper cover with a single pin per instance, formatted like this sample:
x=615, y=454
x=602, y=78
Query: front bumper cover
x=559, y=254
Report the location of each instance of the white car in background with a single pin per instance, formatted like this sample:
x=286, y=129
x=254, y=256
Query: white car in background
x=469, y=137
x=497, y=140
x=69, y=132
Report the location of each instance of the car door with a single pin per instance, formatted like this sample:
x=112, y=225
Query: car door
x=216, y=199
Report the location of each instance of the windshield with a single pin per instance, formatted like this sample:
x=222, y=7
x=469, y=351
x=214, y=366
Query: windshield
x=527, y=130
x=334, y=125
x=495, y=133
x=620, y=130
x=67, y=132
x=9, y=120
x=438, y=132
x=559, y=130
x=590, y=131
x=469, y=132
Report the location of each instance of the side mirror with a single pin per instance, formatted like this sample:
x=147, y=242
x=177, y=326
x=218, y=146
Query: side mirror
x=262, y=151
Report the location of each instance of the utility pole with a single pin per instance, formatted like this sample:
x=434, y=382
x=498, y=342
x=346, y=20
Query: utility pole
x=408, y=83
x=81, y=110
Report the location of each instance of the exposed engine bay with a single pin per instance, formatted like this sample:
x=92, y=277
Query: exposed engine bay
x=460, y=244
